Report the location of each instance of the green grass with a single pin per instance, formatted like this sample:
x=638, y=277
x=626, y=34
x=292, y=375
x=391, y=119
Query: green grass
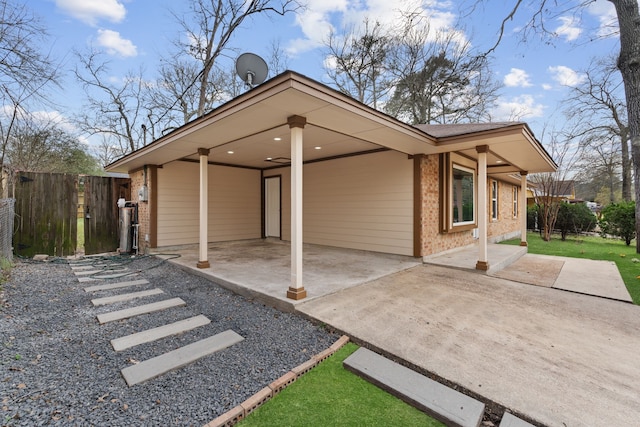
x=5, y=268
x=80, y=244
x=592, y=247
x=329, y=395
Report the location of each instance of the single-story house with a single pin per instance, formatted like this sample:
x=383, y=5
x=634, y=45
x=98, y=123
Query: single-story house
x=293, y=159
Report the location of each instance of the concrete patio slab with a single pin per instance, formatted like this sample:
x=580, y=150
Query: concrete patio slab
x=261, y=268
x=558, y=358
x=533, y=270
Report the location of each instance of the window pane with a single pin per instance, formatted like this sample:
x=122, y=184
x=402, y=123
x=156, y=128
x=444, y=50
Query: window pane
x=462, y=196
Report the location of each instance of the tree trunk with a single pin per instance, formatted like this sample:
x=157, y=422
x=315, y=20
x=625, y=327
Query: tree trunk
x=626, y=166
x=629, y=66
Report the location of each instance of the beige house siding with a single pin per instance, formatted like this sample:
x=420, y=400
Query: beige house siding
x=361, y=202
x=234, y=204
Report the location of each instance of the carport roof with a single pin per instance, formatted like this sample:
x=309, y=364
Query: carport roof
x=252, y=131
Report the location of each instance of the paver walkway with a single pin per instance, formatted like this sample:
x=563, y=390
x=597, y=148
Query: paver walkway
x=561, y=358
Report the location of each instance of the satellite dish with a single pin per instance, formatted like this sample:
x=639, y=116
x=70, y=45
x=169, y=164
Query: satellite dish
x=251, y=68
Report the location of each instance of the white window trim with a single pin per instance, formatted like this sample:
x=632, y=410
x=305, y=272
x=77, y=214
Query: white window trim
x=515, y=201
x=471, y=171
x=495, y=207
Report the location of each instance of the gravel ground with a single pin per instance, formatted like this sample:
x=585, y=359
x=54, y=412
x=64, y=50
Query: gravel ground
x=57, y=366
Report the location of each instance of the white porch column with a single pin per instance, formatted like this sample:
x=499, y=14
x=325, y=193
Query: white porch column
x=203, y=258
x=296, y=290
x=483, y=261
x=523, y=208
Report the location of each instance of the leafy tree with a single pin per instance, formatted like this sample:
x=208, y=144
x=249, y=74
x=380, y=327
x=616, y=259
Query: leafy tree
x=46, y=147
x=574, y=218
x=619, y=219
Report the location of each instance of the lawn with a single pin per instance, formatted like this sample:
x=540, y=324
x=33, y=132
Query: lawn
x=592, y=247
x=80, y=244
x=329, y=395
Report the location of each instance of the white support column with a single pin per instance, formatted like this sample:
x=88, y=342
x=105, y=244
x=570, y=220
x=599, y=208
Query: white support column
x=203, y=257
x=296, y=290
x=483, y=261
x=523, y=208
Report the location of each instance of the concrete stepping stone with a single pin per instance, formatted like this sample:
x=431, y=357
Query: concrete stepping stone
x=438, y=400
x=112, y=316
x=88, y=279
x=153, y=334
x=178, y=358
x=87, y=272
x=100, y=273
x=510, y=420
x=118, y=285
x=115, y=275
x=126, y=297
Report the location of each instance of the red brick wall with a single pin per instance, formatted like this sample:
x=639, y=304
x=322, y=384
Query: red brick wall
x=433, y=241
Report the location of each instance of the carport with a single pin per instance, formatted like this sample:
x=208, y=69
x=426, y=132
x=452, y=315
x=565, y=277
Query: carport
x=294, y=122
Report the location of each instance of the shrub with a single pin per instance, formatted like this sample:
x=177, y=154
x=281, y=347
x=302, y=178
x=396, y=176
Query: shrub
x=619, y=219
x=574, y=218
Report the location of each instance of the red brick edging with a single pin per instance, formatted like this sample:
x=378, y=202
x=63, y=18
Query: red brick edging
x=234, y=415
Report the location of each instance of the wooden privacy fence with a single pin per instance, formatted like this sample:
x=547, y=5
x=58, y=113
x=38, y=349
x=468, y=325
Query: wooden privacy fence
x=46, y=213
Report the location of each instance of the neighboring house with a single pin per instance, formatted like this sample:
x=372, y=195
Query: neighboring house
x=564, y=190
x=295, y=160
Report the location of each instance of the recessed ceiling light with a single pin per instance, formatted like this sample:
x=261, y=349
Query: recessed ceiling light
x=318, y=148
x=277, y=139
x=229, y=152
x=269, y=158
x=498, y=161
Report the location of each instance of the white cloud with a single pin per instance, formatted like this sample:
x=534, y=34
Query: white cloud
x=566, y=76
x=546, y=86
x=321, y=17
x=115, y=44
x=517, y=78
x=517, y=108
x=91, y=11
x=569, y=29
x=605, y=12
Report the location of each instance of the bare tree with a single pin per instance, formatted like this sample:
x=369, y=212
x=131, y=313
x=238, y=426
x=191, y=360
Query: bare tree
x=25, y=71
x=628, y=14
x=549, y=187
x=115, y=110
x=437, y=79
x=209, y=27
x=599, y=169
x=357, y=62
x=601, y=117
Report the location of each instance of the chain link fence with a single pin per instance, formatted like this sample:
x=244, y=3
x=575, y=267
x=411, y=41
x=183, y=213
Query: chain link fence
x=7, y=213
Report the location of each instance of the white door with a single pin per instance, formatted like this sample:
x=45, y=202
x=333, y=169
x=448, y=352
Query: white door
x=272, y=207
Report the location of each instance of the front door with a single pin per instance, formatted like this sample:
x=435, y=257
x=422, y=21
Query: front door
x=272, y=207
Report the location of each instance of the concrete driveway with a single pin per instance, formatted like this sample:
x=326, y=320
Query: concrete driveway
x=559, y=358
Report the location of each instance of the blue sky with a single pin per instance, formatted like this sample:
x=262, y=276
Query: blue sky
x=536, y=75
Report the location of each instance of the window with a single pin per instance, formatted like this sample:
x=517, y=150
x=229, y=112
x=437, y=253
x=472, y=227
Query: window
x=494, y=200
x=462, y=183
x=515, y=202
